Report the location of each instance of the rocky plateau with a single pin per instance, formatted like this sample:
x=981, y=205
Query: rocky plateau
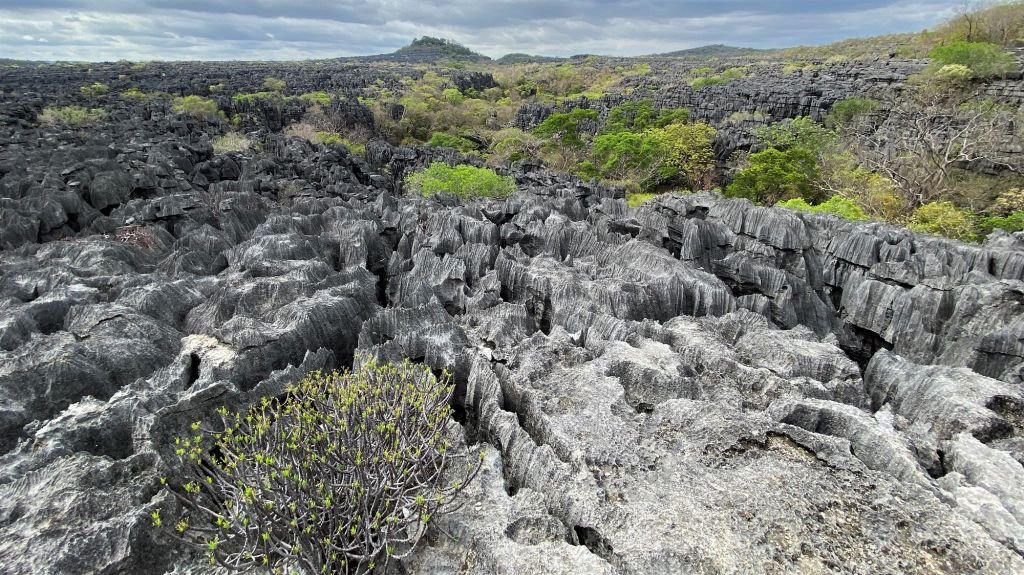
x=698, y=385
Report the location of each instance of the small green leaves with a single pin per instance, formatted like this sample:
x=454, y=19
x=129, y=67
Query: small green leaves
x=155, y=517
x=354, y=461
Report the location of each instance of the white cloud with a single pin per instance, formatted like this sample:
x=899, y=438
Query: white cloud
x=296, y=29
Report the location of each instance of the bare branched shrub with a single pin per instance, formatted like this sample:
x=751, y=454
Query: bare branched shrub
x=139, y=236
x=341, y=477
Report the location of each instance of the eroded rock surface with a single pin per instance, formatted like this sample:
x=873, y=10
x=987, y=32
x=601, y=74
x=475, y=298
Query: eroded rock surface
x=695, y=386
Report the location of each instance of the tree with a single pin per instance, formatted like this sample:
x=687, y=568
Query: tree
x=927, y=143
x=565, y=126
x=944, y=219
x=341, y=476
x=640, y=157
x=274, y=84
x=464, y=181
x=836, y=205
x=801, y=132
x=983, y=59
x=691, y=153
x=775, y=175
x=846, y=112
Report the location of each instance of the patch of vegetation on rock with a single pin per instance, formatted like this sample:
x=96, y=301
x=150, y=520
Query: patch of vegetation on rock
x=468, y=182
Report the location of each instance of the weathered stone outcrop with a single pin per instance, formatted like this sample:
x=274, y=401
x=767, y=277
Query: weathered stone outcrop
x=699, y=385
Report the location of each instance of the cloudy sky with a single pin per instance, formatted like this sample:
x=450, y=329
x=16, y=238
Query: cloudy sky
x=297, y=29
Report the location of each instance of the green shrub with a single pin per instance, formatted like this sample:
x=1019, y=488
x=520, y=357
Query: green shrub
x=196, y=106
x=214, y=88
x=836, y=205
x=638, y=115
x=320, y=97
x=801, y=132
x=634, y=115
x=983, y=59
x=464, y=181
x=734, y=74
x=453, y=96
x=775, y=175
x=274, y=84
x=443, y=140
x=1008, y=202
x=94, y=90
x=691, y=152
x=342, y=476
x=566, y=126
x=251, y=97
x=134, y=93
x=640, y=157
x=1011, y=223
x=336, y=139
x=944, y=219
x=513, y=145
x=844, y=112
x=638, y=199
x=742, y=117
x=231, y=142
x=699, y=83
x=72, y=116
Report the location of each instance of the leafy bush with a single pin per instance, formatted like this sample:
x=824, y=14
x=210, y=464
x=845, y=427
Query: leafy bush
x=691, y=153
x=844, y=112
x=944, y=219
x=638, y=115
x=464, y=181
x=801, y=132
x=638, y=199
x=1011, y=223
x=251, y=97
x=566, y=126
x=1008, y=202
x=836, y=205
x=699, y=83
x=196, y=106
x=453, y=96
x=274, y=84
x=983, y=59
x=737, y=118
x=442, y=140
x=94, y=90
x=231, y=142
x=513, y=144
x=734, y=74
x=775, y=175
x=319, y=97
x=72, y=116
x=637, y=156
x=134, y=93
x=336, y=139
x=342, y=476
x=704, y=77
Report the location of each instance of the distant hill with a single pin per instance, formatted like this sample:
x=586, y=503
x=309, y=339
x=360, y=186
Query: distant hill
x=712, y=51
x=429, y=49
x=520, y=58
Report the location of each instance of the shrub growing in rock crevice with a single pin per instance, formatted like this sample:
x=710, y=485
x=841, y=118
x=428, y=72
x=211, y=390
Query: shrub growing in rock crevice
x=342, y=476
x=72, y=116
x=464, y=181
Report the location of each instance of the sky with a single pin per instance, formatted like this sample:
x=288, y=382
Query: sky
x=106, y=30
